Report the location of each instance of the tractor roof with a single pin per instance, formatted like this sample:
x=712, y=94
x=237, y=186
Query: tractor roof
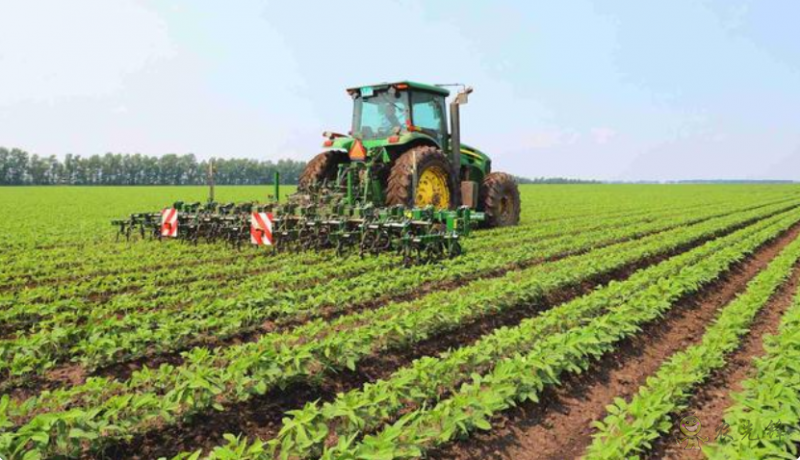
x=411, y=84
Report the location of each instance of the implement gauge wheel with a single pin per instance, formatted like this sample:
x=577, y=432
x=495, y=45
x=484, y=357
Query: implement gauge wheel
x=500, y=200
x=434, y=182
x=321, y=168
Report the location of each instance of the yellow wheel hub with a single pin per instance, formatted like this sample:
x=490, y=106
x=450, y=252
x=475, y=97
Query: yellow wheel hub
x=432, y=189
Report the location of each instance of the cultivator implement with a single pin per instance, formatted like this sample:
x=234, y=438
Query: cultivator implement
x=190, y=222
x=145, y=225
x=418, y=235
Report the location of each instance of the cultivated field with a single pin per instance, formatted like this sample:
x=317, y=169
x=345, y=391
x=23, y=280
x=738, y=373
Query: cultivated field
x=592, y=329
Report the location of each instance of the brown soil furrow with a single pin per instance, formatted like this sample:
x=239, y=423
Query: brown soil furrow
x=558, y=427
x=260, y=417
x=708, y=404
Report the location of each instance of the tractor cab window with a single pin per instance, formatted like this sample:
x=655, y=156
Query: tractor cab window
x=378, y=115
x=428, y=113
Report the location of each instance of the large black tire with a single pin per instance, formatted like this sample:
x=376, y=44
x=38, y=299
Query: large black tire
x=499, y=197
x=321, y=168
x=399, y=190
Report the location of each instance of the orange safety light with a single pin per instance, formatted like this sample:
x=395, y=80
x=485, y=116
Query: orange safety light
x=357, y=151
x=328, y=143
x=394, y=139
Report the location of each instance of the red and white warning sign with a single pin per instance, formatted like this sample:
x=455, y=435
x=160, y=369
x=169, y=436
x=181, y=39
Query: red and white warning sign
x=261, y=228
x=169, y=222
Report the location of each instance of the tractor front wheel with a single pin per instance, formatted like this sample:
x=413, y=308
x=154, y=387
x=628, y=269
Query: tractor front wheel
x=500, y=199
x=323, y=167
x=434, y=180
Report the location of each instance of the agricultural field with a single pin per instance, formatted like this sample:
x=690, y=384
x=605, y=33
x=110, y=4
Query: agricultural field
x=617, y=321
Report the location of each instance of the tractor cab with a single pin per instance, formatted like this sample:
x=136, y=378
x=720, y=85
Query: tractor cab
x=385, y=110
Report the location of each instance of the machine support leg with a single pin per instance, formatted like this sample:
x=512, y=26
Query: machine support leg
x=350, y=187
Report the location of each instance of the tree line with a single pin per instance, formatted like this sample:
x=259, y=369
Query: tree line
x=18, y=167
x=554, y=180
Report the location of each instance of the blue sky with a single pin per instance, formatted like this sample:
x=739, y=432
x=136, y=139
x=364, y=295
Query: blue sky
x=619, y=90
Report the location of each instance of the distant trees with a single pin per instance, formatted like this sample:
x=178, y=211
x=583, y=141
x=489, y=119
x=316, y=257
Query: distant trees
x=17, y=167
x=554, y=180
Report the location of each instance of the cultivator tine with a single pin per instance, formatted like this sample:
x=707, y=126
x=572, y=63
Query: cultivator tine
x=122, y=230
x=143, y=231
x=140, y=224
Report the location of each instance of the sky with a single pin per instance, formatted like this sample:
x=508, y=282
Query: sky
x=609, y=90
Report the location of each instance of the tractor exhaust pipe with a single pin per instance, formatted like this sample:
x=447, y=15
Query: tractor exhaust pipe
x=455, y=141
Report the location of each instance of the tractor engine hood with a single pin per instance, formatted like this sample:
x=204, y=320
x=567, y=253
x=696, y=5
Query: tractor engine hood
x=346, y=142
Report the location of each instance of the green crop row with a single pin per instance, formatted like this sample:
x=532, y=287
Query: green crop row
x=159, y=278
x=427, y=379
x=83, y=259
x=631, y=427
x=105, y=342
x=102, y=288
x=764, y=419
x=20, y=302
x=162, y=396
x=112, y=338
x=174, y=274
x=157, y=293
x=523, y=377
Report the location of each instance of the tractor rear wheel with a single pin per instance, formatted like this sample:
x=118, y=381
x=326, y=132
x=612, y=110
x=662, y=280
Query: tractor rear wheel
x=434, y=180
x=321, y=168
x=500, y=199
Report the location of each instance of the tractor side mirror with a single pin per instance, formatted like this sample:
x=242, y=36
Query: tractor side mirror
x=463, y=96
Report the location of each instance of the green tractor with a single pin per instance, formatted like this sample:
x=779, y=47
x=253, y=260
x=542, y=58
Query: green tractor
x=400, y=153
x=400, y=182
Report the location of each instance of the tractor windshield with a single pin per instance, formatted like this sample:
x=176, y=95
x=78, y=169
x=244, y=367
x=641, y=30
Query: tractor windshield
x=376, y=116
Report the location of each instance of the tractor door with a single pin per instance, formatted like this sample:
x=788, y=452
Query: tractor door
x=428, y=114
